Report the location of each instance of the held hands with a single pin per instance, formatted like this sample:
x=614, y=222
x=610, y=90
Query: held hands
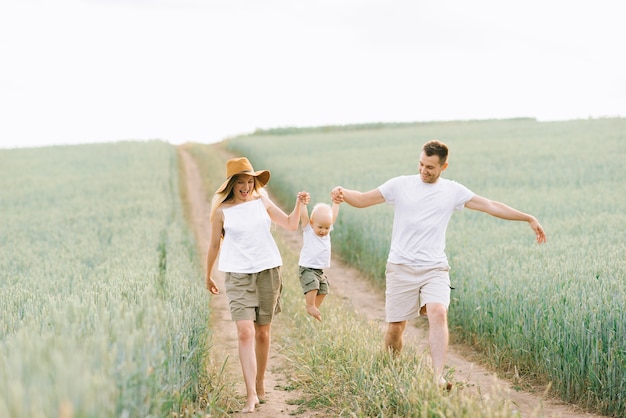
x=212, y=286
x=337, y=195
x=304, y=198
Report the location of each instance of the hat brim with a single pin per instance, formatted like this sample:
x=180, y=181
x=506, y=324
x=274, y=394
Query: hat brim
x=263, y=176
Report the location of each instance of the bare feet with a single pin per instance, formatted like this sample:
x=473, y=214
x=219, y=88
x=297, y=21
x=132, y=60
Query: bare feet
x=260, y=389
x=445, y=385
x=250, y=404
x=314, y=312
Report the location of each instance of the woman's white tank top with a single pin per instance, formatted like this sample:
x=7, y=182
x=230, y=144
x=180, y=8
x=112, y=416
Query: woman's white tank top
x=248, y=245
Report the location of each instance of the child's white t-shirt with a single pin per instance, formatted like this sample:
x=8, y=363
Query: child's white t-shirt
x=315, y=251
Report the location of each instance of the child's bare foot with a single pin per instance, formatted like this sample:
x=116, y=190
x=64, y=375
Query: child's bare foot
x=250, y=404
x=314, y=312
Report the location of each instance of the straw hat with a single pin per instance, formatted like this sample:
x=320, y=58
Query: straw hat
x=242, y=166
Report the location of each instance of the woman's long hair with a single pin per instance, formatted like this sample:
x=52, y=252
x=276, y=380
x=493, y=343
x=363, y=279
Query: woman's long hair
x=219, y=198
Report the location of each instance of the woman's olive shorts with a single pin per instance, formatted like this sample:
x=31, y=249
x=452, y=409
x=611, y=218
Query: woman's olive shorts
x=254, y=296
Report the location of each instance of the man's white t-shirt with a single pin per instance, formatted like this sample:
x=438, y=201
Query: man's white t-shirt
x=421, y=215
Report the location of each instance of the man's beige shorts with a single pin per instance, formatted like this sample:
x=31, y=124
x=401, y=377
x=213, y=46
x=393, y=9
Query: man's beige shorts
x=409, y=288
x=254, y=296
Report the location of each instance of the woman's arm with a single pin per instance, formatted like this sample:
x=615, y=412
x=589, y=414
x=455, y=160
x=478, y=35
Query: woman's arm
x=215, y=241
x=289, y=222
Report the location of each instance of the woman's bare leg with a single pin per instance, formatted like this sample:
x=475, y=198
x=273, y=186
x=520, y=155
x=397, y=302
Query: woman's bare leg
x=248, y=360
x=263, y=341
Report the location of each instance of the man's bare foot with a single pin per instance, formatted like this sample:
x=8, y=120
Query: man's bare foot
x=314, y=312
x=250, y=404
x=445, y=385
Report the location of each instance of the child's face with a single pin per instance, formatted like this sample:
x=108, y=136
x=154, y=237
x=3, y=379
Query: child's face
x=320, y=228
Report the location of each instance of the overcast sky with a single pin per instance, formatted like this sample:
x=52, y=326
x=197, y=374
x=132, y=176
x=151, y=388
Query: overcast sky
x=76, y=71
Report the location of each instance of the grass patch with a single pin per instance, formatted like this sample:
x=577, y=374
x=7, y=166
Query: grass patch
x=340, y=364
x=552, y=312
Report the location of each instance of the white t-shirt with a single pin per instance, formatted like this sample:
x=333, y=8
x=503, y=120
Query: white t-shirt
x=315, y=251
x=421, y=215
x=248, y=245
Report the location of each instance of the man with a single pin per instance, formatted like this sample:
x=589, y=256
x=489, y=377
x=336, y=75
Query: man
x=417, y=273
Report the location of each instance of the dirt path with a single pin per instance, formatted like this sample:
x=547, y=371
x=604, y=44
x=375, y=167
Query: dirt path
x=367, y=301
x=224, y=331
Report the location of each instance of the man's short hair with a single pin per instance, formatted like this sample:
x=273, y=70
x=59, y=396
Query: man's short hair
x=438, y=148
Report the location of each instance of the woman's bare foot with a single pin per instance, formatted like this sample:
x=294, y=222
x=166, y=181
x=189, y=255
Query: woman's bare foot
x=260, y=390
x=250, y=404
x=314, y=312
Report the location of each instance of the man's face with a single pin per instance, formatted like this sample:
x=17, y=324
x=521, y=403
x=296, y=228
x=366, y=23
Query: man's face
x=430, y=168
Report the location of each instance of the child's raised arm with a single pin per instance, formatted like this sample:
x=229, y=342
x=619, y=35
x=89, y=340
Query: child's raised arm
x=335, y=208
x=304, y=198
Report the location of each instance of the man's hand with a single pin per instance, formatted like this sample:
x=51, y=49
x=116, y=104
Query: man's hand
x=541, y=234
x=337, y=195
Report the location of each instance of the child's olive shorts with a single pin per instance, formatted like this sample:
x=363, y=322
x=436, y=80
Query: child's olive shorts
x=313, y=279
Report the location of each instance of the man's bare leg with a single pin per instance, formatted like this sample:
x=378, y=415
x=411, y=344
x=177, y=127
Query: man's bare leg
x=438, y=338
x=393, y=336
x=247, y=358
x=263, y=342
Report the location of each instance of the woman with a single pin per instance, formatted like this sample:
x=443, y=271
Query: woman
x=241, y=217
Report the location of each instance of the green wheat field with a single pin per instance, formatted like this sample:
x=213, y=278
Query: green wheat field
x=104, y=313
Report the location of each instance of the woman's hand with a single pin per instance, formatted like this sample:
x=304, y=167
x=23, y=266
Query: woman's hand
x=304, y=197
x=212, y=286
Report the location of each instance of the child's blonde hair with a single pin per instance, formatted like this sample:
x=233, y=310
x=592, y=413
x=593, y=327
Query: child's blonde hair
x=320, y=206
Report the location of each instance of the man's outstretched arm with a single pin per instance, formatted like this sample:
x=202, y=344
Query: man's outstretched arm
x=502, y=211
x=356, y=198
